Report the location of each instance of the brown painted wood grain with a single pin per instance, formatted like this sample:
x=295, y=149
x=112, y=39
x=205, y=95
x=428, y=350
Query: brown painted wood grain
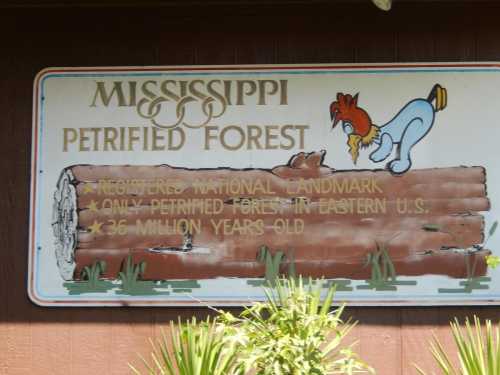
x=69, y=341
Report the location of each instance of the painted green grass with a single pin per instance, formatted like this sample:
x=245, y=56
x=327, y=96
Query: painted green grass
x=340, y=285
x=383, y=274
x=386, y=286
x=91, y=281
x=140, y=287
x=131, y=283
x=86, y=287
x=82, y=287
x=181, y=286
x=469, y=285
x=273, y=262
x=472, y=282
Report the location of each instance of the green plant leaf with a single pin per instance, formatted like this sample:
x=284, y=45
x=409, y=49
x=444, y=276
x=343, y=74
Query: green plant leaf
x=327, y=303
x=478, y=350
x=195, y=349
x=286, y=334
x=492, y=261
x=289, y=333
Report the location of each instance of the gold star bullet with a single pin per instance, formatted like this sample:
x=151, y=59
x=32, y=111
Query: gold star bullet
x=95, y=227
x=87, y=189
x=92, y=207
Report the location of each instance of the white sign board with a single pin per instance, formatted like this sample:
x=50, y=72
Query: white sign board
x=181, y=185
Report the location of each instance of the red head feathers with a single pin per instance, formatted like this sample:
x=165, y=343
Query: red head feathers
x=345, y=108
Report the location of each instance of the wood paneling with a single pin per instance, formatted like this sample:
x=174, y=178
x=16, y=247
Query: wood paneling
x=70, y=341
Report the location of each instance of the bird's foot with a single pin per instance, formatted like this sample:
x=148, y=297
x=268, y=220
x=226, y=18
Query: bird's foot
x=384, y=149
x=379, y=155
x=399, y=166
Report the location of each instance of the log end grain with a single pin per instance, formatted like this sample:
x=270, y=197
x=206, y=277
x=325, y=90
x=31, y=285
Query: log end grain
x=65, y=224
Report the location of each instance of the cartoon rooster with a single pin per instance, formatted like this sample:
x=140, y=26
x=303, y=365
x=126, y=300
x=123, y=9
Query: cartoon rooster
x=404, y=131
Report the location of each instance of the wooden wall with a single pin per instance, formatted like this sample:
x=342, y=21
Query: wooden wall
x=71, y=341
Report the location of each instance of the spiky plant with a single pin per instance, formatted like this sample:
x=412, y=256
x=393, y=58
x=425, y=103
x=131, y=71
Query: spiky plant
x=478, y=350
x=294, y=332
x=195, y=349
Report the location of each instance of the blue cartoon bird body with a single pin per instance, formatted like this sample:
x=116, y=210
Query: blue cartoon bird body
x=408, y=127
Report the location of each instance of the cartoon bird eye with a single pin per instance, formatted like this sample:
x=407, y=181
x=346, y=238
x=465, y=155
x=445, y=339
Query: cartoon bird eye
x=348, y=129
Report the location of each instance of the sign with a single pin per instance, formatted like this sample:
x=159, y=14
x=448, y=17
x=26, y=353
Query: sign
x=189, y=185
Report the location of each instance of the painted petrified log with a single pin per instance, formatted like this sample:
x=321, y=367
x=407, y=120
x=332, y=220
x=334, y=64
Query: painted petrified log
x=205, y=223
